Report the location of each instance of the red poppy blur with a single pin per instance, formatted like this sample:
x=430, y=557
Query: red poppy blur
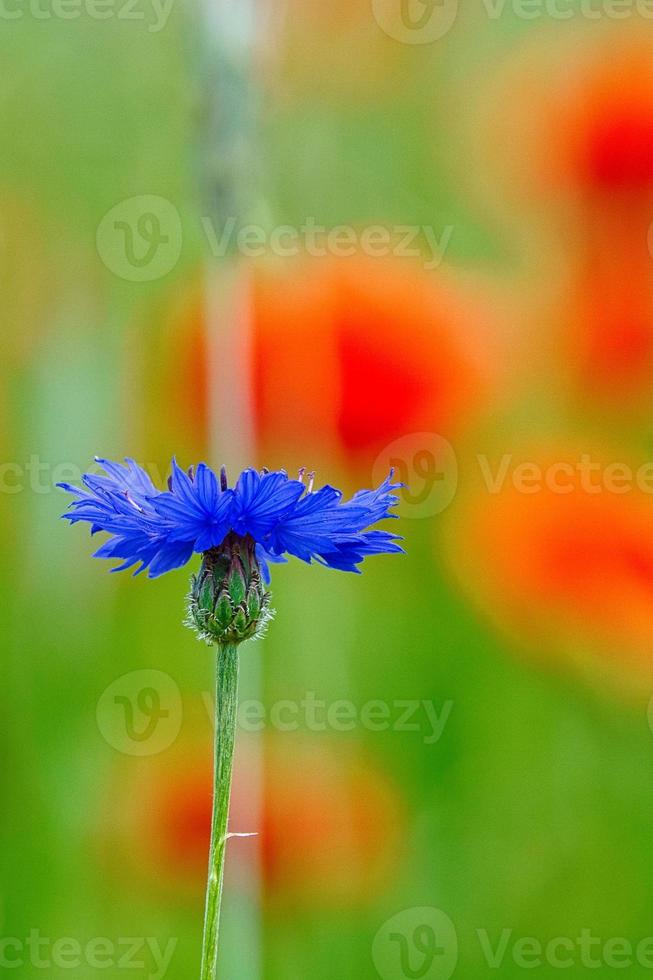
x=160, y=825
x=580, y=113
x=183, y=825
x=324, y=823
x=608, y=133
x=609, y=124
x=567, y=562
x=161, y=817
x=608, y=334
x=346, y=356
x=573, y=118
x=350, y=355
x=331, y=825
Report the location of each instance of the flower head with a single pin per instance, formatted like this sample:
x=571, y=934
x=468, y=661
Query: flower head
x=160, y=530
x=239, y=531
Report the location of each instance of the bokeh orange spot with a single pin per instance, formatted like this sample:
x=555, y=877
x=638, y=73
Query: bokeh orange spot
x=331, y=825
x=609, y=335
x=569, y=564
x=326, y=824
x=619, y=147
x=354, y=354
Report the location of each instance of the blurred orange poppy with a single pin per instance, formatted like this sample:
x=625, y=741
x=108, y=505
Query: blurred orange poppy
x=608, y=331
x=606, y=130
x=156, y=820
x=580, y=115
x=351, y=354
x=561, y=552
x=332, y=825
x=324, y=824
x=572, y=116
x=345, y=356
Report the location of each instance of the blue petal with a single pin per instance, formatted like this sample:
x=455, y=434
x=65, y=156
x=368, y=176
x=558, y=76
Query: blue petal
x=207, y=488
x=159, y=531
x=169, y=557
x=260, y=502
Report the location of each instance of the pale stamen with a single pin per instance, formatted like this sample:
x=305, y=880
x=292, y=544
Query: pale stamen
x=133, y=502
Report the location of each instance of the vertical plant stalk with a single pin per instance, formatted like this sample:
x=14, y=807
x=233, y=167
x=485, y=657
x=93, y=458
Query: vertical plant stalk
x=226, y=705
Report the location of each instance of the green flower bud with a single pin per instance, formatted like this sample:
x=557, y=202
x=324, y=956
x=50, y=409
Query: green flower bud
x=224, y=611
x=236, y=582
x=253, y=603
x=228, y=601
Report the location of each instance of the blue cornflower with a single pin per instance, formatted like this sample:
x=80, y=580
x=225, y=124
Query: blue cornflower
x=238, y=530
x=160, y=530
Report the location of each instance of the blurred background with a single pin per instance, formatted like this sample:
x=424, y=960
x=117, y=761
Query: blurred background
x=346, y=236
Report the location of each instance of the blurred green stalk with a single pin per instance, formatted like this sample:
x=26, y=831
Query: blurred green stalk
x=226, y=706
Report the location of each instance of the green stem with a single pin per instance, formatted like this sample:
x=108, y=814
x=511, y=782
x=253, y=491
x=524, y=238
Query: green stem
x=226, y=704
